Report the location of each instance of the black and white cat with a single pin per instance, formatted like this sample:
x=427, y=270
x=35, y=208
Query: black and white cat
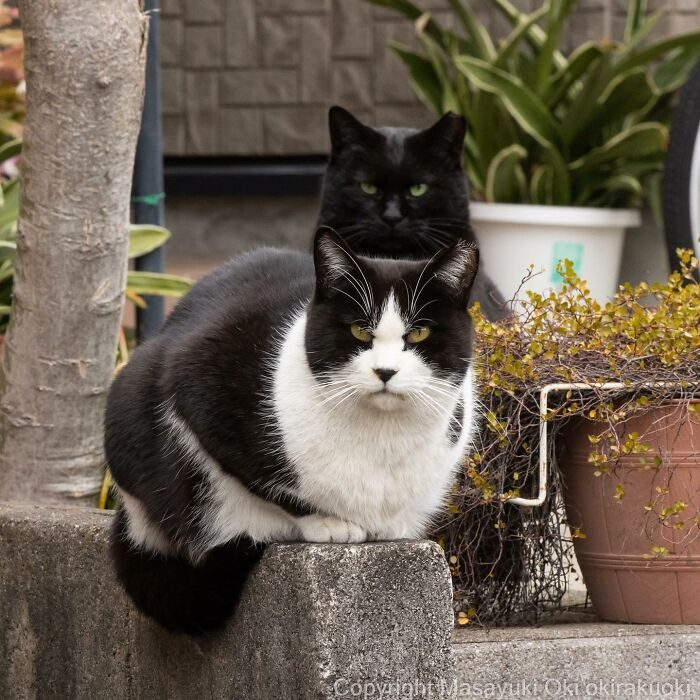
x=288, y=397
x=401, y=193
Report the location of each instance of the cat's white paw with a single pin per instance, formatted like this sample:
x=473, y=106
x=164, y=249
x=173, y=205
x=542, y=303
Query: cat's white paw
x=327, y=528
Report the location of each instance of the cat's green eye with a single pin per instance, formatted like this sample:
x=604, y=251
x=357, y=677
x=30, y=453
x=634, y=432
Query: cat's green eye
x=418, y=335
x=418, y=190
x=369, y=188
x=360, y=333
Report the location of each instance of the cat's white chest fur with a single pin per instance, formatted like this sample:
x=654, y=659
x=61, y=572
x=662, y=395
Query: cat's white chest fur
x=387, y=471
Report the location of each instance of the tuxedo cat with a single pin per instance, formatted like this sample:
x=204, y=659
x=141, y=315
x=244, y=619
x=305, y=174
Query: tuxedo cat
x=401, y=193
x=288, y=397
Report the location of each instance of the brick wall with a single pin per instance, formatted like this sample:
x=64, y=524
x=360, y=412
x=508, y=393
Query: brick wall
x=255, y=77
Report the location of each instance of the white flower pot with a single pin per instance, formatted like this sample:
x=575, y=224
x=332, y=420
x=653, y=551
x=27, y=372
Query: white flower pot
x=513, y=236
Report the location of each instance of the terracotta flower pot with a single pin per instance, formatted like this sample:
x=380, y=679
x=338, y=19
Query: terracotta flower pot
x=625, y=583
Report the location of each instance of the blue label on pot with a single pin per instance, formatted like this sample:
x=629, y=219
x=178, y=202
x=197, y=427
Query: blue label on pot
x=566, y=251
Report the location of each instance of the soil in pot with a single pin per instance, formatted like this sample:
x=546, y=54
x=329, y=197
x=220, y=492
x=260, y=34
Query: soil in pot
x=628, y=582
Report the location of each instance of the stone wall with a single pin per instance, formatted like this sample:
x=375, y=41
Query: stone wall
x=255, y=77
x=313, y=621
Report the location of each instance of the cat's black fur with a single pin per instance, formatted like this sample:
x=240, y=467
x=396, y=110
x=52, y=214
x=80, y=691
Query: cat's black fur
x=212, y=361
x=393, y=223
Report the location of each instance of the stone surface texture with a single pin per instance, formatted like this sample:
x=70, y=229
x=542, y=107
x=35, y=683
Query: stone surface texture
x=314, y=620
x=225, y=61
x=601, y=660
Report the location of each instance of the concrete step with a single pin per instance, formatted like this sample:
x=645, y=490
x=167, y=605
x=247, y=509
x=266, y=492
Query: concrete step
x=579, y=660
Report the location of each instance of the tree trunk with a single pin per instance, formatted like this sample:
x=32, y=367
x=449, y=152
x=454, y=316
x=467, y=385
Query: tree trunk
x=85, y=63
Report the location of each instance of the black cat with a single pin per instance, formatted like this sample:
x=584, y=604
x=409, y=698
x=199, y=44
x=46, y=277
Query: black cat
x=401, y=193
x=327, y=399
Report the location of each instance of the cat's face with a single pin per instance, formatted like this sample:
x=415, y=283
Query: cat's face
x=390, y=333
x=396, y=192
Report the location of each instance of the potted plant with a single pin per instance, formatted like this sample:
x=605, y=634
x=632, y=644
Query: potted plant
x=561, y=151
x=617, y=387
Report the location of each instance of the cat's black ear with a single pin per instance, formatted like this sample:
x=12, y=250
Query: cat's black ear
x=333, y=259
x=346, y=130
x=455, y=270
x=445, y=138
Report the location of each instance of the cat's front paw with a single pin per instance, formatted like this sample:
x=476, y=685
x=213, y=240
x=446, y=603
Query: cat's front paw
x=327, y=528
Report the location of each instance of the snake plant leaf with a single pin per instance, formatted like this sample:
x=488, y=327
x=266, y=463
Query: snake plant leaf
x=506, y=180
x=424, y=79
x=448, y=98
x=561, y=182
x=623, y=189
x=157, y=284
x=542, y=185
x=8, y=250
x=628, y=93
x=558, y=12
x=636, y=10
x=672, y=74
x=475, y=30
x=10, y=149
x=653, y=52
x=579, y=62
x=9, y=210
x=624, y=183
x=583, y=106
x=144, y=238
x=524, y=106
x=637, y=141
x=535, y=35
x=512, y=42
x=645, y=28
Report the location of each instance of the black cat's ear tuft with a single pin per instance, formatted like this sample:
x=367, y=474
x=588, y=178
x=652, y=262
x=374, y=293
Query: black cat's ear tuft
x=346, y=130
x=333, y=259
x=455, y=270
x=445, y=137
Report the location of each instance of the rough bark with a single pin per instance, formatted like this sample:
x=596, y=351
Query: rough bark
x=84, y=64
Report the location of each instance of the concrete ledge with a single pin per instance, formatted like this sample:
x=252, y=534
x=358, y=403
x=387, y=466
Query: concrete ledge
x=315, y=621
x=584, y=660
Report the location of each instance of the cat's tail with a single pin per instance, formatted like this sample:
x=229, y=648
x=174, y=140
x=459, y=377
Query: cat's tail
x=181, y=596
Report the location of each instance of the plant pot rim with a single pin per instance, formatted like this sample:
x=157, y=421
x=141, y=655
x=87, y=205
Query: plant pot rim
x=579, y=217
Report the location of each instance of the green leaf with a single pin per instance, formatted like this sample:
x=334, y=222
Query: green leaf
x=157, y=284
x=672, y=74
x=10, y=149
x=512, y=41
x=505, y=181
x=474, y=29
x=535, y=35
x=8, y=250
x=558, y=12
x=651, y=53
x=144, y=238
x=5, y=310
x=624, y=183
x=424, y=79
x=448, y=99
x=637, y=141
x=583, y=106
x=626, y=94
x=542, y=185
x=635, y=14
x=579, y=62
x=642, y=32
x=561, y=178
x=9, y=211
x=524, y=106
